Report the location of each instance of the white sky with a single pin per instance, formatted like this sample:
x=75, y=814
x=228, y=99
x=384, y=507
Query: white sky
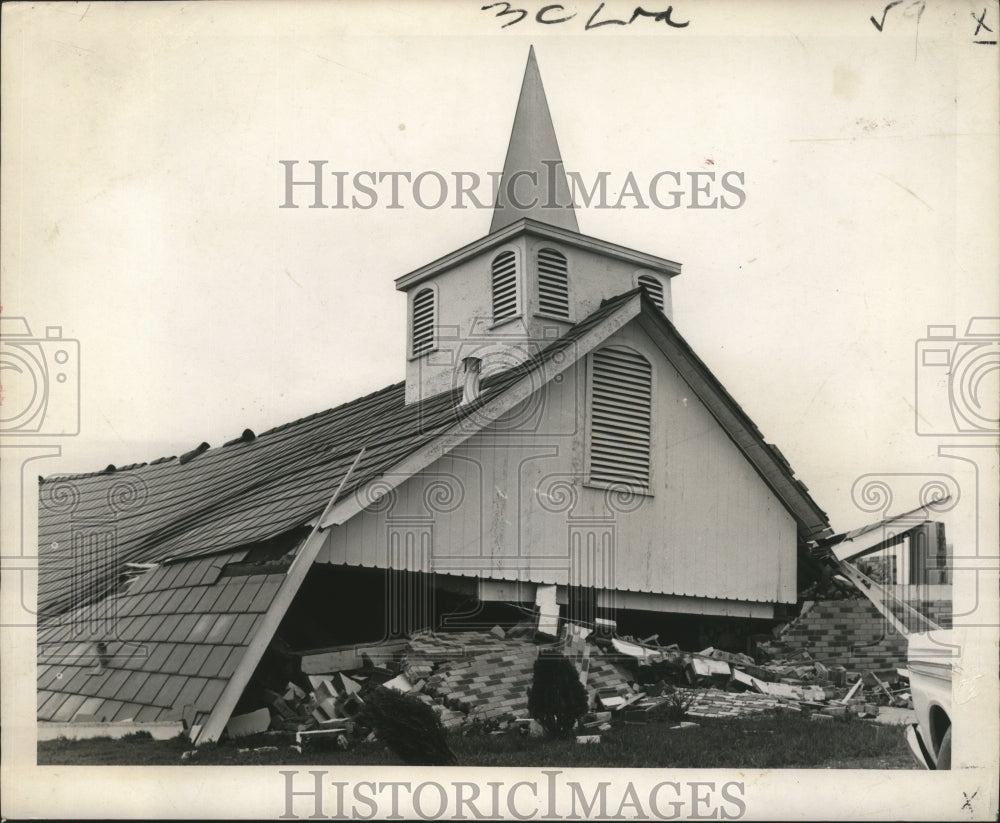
x=141, y=191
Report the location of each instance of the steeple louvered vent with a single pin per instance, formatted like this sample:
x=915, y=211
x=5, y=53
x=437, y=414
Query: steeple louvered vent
x=652, y=287
x=621, y=402
x=423, y=322
x=553, y=288
x=504, y=286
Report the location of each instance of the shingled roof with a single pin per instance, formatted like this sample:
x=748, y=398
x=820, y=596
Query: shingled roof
x=170, y=644
x=246, y=491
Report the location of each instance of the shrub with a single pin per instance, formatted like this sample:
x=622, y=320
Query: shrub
x=481, y=726
x=675, y=706
x=408, y=726
x=556, y=698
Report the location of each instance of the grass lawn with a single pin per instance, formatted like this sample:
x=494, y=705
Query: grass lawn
x=772, y=741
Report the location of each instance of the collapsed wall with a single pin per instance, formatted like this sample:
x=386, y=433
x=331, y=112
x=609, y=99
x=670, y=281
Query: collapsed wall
x=849, y=632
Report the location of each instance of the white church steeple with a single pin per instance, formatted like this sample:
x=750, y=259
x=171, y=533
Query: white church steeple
x=503, y=298
x=534, y=182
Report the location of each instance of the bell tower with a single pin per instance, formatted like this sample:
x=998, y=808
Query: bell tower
x=498, y=301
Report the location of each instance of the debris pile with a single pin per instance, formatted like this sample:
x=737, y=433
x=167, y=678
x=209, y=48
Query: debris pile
x=477, y=682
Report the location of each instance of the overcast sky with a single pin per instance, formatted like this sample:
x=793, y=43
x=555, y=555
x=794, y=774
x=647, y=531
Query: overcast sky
x=141, y=186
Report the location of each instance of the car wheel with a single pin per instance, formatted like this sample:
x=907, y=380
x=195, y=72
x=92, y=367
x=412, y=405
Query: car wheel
x=944, y=753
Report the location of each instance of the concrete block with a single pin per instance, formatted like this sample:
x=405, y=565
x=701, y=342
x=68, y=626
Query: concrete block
x=400, y=683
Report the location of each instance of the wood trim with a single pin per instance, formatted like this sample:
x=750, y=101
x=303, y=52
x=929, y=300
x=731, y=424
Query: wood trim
x=525, y=225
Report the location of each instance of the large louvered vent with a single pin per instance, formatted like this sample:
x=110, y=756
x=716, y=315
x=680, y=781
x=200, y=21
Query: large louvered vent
x=504, y=286
x=553, y=289
x=621, y=400
x=423, y=322
x=652, y=287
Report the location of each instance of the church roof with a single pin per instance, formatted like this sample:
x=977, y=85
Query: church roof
x=179, y=633
x=171, y=642
x=255, y=489
x=248, y=490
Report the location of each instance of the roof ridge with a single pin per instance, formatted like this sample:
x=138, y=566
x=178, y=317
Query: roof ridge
x=212, y=450
x=344, y=405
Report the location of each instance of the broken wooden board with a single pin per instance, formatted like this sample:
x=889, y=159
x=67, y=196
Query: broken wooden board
x=814, y=693
x=319, y=733
x=325, y=691
x=346, y=658
x=707, y=667
x=548, y=610
x=884, y=688
x=641, y=653
x=250, y=723
x=347, y=685
x=852, y=692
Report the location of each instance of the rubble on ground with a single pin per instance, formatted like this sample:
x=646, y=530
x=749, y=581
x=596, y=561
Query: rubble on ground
x=476, y=681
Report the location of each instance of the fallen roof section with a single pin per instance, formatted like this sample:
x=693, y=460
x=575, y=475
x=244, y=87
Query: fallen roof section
x=162, y=650
x=881, y=534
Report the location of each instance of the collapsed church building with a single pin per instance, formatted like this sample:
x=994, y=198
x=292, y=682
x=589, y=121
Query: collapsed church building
x=556, y=451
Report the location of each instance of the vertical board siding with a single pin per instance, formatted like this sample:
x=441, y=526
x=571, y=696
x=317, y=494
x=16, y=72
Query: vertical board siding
x=511, y=505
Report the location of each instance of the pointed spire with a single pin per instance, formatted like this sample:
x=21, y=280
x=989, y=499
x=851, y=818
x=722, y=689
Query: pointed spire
x=534, y=181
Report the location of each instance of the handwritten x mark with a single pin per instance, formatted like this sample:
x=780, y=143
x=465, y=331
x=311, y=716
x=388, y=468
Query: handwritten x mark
x=968, y=800
x=980, y=24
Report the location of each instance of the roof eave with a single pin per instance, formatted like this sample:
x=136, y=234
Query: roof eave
x=811, y=520
x=528, y=226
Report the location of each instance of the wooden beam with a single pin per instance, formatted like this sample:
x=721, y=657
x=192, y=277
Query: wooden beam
x=880, y=596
